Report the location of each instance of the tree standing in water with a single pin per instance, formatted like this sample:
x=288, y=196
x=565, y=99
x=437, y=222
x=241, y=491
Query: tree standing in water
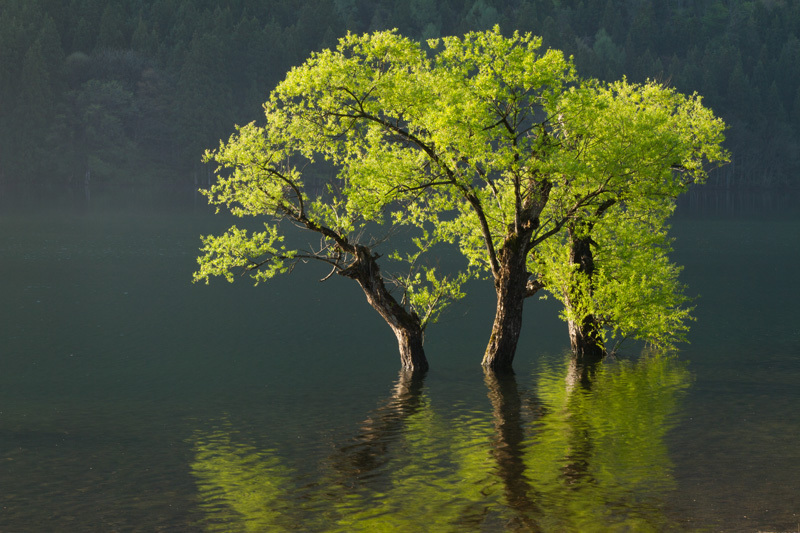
x=484, y=142
x=646, y=144
x=263, y=173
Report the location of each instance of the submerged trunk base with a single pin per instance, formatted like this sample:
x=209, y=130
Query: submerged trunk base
x=585, y=341
x=507, y=325
x=412, y=354
x=405, y=325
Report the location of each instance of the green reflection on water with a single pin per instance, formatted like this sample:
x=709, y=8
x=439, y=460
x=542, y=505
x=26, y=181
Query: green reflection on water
x=240, y=485
x=579, y=450
x=597, y=459
x=441, y=478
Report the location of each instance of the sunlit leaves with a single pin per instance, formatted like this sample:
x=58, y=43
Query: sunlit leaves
x=479, y=141
x=637, y=287
x=634, y=292
x=258, y=253
x=429, y=295
x=345, y=115
x=631, y=149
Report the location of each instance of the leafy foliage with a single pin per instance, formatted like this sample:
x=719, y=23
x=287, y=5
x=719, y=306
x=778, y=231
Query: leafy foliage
x=639, y=147
x=487, y=142
x=330, y=114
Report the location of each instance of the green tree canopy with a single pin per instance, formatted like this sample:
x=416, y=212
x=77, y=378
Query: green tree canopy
x=272, y=174
x=485, y=142
x=643, y=145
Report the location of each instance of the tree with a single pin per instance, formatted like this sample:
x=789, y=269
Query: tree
x=265, y=179
x=645, y=144
x=112, y=25
x=487, y=143
x=453, y=139
x=615, y=280
x=536, y=158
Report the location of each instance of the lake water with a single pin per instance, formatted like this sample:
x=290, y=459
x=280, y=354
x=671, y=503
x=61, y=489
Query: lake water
x=133, y=400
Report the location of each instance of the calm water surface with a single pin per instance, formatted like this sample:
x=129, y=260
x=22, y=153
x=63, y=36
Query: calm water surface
x=132, y=400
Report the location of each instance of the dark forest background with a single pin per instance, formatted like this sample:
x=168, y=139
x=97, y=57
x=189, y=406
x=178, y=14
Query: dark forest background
x=133, y=91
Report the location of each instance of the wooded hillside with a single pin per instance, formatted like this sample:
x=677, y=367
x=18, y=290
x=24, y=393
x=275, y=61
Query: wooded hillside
x=125, y=91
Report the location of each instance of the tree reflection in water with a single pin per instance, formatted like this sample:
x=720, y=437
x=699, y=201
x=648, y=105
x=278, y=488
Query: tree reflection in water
x=581, y=450
x=240, y=487
x=433, y=473
x=597, y=457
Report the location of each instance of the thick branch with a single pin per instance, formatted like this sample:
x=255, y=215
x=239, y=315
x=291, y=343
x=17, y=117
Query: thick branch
x=487, y=234
x=582, y=202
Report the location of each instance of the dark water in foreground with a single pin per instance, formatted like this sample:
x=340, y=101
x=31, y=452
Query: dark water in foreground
x=132, y=400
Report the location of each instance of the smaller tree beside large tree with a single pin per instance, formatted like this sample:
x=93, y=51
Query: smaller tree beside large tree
x=646, y=144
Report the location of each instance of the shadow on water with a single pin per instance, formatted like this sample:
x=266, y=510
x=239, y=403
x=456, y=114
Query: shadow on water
x=571, y=449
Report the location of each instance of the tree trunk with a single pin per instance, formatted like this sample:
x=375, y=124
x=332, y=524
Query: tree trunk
x=585, y=340
x=511, y=289
x=584, y=334
x=406, y=326
x=409, y=342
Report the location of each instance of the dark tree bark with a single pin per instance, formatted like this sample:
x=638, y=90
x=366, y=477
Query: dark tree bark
x=511, y=287
x=584, y=335
x=364, y=269
x=405, y=325
x=512, y=281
